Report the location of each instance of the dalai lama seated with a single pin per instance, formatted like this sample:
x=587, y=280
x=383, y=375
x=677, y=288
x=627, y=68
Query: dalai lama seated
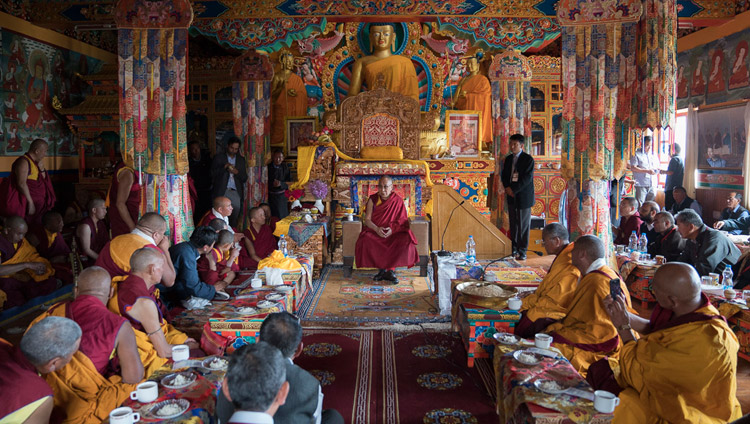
x=46, y=347
x=386, y=241
x=683, y=369
x=259, y=240
x=24, y=274
x=101, y=375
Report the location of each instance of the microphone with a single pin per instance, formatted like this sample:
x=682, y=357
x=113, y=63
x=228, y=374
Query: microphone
x=484, y=269
x=538, y=253
x=442, y=251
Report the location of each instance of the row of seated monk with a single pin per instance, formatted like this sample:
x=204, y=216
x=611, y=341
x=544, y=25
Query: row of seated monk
x=678, y=365
x=682, y=237
x=81, y=359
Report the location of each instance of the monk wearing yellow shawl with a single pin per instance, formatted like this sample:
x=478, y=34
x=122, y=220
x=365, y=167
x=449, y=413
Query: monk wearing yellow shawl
x=136, y=299
x=106, y=367
x=683, y=369
x=586, y=334
x=550, y=301
x=23, y=273
x=398, y=72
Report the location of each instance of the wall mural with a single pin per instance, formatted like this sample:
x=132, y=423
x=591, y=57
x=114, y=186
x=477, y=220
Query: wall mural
x=715, y=72
x=32, y=74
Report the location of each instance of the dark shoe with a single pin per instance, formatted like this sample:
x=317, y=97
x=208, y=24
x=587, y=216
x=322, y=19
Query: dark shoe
x=521, y=257
x=390, y=275
x=379, y=276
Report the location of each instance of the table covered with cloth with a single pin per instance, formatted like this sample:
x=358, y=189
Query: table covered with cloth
x=519, y=401
x=737, y=314
x=637, y=276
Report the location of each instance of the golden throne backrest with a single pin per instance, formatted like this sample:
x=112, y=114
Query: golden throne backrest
x=357, y=116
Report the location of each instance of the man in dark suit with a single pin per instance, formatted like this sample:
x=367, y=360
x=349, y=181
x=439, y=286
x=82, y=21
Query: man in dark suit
x=284, y=331
x=669, y=243
x=518, y=179
x=199, y=161
x=229, y=174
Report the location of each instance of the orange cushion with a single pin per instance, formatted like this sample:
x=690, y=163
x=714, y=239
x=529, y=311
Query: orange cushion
x=381, y=153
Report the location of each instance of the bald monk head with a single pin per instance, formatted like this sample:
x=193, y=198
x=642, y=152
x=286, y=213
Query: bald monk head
x=148, y=264
x=267, y=209
x=154, y=225
x=677, y=287
x=257, y=216
x=223, y=205
x=15, y=229
x=38, y=149
x=97, y=208
x=94, y=281
x=586, y=250
x=385, y=187
x=53, y=222
x=217, y=224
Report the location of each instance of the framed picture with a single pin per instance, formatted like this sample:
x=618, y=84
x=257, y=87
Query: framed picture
x=721, y=137
x=462, y=128
x=298, y=129
x=538, y=137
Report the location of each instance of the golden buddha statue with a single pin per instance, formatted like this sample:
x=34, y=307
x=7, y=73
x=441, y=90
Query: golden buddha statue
x=475, y=93
x=398, y=71
x=288, y=96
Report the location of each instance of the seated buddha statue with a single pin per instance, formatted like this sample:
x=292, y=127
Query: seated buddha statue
x=398, y=71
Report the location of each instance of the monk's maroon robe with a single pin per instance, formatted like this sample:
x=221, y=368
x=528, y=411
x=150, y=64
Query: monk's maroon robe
x=397, y=250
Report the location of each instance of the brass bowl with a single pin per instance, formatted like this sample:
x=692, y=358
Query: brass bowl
x=477, y=299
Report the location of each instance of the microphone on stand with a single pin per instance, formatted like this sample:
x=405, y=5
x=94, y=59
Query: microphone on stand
x=538, y=253
x=442, y=251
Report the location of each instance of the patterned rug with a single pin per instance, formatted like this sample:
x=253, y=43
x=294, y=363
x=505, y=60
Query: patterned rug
x=358, y=299
x=374, y=376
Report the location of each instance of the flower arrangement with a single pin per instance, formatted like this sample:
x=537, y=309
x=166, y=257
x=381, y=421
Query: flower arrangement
x=294, y=196
x=318, y=188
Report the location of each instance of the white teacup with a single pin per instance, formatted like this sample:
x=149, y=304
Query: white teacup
x=605, y=401
x=256, y=283
x=180, y=353
x=145, y=392
x=542, y=341
x=515, y=303
x=124, y=415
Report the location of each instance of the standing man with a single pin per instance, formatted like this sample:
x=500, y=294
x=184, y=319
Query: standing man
x=518, y=180
x=124, y=199
x=278, y=176
x=200, y=168
x=734, y=210
x=644, y=167
x=28, y=192
x=675, y=171
x=229, y=174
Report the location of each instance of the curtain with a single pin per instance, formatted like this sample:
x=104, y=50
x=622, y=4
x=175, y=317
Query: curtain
x=691, y=151
x=746, y=162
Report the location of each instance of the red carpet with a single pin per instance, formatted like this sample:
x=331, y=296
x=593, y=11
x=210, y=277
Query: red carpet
x=392, y=377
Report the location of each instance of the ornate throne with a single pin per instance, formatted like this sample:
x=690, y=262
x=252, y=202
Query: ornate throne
x=380, y=130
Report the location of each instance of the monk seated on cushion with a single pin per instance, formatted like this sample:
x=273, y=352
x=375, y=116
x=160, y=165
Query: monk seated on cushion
x=148, y=232
x=586, y=334
x=92, y=233
x=386, y=242
x=102, y=373
x=50, y=244
x=259, y=240
x=135, y=298
x=550, y=301
x=684, y=367
x=215, y=266
x=46, y=347
x=24, y=274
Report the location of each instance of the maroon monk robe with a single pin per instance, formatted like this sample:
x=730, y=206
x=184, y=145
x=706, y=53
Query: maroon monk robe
x=264, y=243
x=399, y=249
x=13, y=202
x=133, y=201
x=99, y=234
x=208, y=217
x=627, y=227
x=20, y=383
x=129, y=291
x=57, y=247
x=20, y=292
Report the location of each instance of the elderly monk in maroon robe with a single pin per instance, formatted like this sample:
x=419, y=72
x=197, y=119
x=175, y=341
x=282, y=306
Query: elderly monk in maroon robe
x=28, y=191
x=259, y=240
x=386, y=242
x=92, y=233
x=24, y=274
x=46, y=347
x=222, y=209
x=124, y=199
x=102, y=373
x=50, y=244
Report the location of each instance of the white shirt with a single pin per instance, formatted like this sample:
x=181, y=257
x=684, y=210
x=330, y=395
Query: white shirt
x=230, y=183
x=140, y=233
x=643, y=160
x=596, y=265
x=251, y=417
x=223, y=218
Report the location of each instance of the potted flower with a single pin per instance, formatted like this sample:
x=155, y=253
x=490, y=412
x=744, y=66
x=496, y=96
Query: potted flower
x=294, y=196
x=319, y=190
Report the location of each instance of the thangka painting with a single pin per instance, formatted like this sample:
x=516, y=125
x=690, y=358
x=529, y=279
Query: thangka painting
x=32, y=74
x=721, y=137
x=715, y=72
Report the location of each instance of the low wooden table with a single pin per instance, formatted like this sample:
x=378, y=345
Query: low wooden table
x=477, y=324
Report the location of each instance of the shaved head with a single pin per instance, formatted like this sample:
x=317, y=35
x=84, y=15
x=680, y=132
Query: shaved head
x=36, y=144
x=94, y=281
x=143, y=258
x=255, y=211
x=221, y=201
x=385, y=179
x=95, y=203
x=678, y=280
x=52, y=221
x=15, y=222
x=218, y=224
x=153, y=221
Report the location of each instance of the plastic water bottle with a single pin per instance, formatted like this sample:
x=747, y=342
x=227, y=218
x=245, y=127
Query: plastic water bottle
x=643, y=244
x=633, y=242
x=726, y=278
x=471, y=250
x=282, y=246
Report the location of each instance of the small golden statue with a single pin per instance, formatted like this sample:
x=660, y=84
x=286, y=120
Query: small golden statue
x=475, y=93
x=288, y=96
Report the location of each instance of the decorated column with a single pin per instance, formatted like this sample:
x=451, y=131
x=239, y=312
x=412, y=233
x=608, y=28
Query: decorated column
x=597, y=46
x=251, y=78
x=152, y=71
x=510, y=77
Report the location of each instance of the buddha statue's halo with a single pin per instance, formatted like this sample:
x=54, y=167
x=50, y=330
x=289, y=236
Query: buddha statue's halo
x=399, y=28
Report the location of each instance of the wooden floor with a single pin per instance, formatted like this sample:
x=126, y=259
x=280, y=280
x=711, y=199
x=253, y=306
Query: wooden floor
x=743, y=366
